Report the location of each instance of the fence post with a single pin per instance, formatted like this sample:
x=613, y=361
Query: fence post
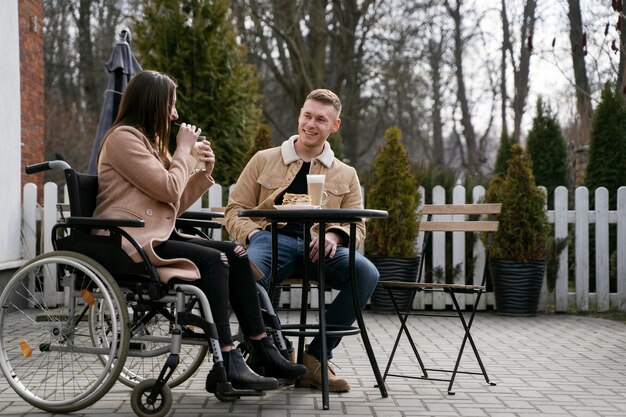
x=621, y=248
x=49, y=219
x=478, y=196
x=602, y=248
x=582, y=248
x=543, y=296
x=216, y=200
x=458, y=247
x=419, y=303
x=561, y=288
x=438, y=240
x=49, y=216
x=29, y=221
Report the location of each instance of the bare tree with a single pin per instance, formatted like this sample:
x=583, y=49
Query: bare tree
x=302, y=45
x=435, y=57
x=506, y=41
x=472, y=157
x=59, y=52
x=388, y=60
x=583, y=96
x=400, y=90
x=618, y=8
x=521, y=63
x=79, y=36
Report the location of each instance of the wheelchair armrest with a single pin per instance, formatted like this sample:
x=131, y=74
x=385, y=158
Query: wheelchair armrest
x=100, y=223
x=201, y=215
x=203, y=224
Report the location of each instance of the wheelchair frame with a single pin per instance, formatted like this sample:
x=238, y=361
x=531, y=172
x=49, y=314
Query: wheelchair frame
x=117, y=321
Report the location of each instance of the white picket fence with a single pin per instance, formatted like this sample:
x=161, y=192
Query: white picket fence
x=562, y=299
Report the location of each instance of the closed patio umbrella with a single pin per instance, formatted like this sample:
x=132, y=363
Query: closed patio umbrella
x=121, y=66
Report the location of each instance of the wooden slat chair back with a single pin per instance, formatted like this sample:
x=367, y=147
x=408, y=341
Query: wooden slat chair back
x=474, y=218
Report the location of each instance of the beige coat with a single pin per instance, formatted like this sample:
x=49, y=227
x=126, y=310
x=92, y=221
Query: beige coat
x=133, y=184
x=271, y=171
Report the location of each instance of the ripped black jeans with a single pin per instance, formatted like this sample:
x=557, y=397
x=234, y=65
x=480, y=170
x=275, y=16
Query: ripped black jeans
x=222, y=279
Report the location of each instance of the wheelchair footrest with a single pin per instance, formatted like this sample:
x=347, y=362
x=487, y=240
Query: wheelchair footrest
x=216, y=376
x=225, y=390
x=217, y=384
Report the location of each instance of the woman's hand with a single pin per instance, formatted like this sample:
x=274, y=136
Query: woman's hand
x=187, y=136
x=205, y=153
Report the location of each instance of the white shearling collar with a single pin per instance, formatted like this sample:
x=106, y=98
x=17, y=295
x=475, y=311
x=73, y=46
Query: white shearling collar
x=289, y=154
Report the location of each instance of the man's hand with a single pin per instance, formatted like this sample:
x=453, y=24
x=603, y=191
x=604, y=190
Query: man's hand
x=330, y=246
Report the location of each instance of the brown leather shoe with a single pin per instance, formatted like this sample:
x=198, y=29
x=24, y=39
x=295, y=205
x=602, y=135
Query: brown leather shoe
x=313, y=377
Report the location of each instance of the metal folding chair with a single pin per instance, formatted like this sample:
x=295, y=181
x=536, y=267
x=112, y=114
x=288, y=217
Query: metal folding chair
x=445, y=220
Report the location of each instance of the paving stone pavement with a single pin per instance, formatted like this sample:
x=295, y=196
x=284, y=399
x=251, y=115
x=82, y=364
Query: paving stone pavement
x=547, y=365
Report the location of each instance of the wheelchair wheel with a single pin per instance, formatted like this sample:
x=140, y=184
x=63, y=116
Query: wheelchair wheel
x=143, y=406
x=46, y=352
x=150, y=346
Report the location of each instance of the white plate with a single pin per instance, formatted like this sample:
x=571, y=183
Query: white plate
x=295, y=207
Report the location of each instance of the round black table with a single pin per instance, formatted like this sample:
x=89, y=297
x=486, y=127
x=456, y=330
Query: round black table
x=323, y=216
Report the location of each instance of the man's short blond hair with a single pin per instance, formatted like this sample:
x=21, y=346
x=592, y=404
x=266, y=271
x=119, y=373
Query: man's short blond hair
x=326, y=96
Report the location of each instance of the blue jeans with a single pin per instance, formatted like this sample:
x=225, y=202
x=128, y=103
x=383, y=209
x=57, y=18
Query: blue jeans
x=290, y=263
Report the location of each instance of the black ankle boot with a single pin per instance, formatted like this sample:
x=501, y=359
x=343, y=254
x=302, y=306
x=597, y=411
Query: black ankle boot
x=242, y=377
x=267, y=360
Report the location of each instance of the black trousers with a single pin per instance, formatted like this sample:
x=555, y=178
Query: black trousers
x=224, y=276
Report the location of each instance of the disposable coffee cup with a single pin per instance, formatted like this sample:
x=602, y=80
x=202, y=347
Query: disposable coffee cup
x=315, y=185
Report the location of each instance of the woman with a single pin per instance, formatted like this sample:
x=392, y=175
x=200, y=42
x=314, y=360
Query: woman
x=139, y=179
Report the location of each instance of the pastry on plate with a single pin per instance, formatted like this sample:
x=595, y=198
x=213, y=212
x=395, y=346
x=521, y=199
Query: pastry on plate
x=290, y=199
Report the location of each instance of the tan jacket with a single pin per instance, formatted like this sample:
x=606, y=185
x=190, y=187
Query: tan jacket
x=133, y=184
x=270, y=172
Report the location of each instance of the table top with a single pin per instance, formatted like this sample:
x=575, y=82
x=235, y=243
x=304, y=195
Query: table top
x=321, y=214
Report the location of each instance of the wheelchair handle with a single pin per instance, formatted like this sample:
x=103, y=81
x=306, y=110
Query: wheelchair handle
x=45, y=166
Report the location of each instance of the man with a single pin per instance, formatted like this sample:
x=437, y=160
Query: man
x=268, y=176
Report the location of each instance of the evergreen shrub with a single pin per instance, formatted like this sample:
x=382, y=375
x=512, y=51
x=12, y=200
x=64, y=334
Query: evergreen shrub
x=548, y=151
x=196, y=43
x=524, y=232
x=392, y=187
x=607, y=145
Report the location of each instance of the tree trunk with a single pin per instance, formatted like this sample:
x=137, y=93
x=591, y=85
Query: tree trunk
x=435, y=56
x=506, y=46
x=522, y=72
x=472, y=157
x=583, y=98
x=78, y=40
x=85, y=51
x=622, y=53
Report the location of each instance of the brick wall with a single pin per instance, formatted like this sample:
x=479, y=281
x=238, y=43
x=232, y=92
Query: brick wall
x=32, y=85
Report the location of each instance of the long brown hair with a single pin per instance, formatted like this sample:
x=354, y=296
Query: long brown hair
x=146, y=105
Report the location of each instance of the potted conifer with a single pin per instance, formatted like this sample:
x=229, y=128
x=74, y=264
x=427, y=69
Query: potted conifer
x=390, y=243
x=521, y=247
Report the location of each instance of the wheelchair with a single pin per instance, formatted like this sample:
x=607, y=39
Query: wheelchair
x=110, y=319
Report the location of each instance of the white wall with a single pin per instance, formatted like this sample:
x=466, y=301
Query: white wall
x=10, y=134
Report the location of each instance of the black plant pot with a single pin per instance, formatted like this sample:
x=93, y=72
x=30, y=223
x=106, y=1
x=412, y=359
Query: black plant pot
x=393, y=269
x=517, y=285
